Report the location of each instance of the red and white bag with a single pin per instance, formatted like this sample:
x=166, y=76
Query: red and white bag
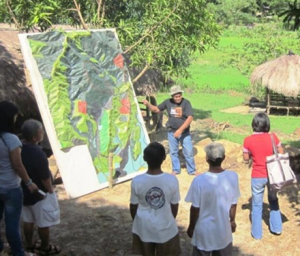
x=280, y=173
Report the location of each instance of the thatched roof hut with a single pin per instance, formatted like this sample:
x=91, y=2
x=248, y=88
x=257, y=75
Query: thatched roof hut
x=281, y=75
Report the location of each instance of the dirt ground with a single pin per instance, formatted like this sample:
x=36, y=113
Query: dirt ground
x=99, y=224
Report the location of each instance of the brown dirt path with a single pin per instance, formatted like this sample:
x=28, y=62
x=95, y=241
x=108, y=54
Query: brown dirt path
x=100, y=223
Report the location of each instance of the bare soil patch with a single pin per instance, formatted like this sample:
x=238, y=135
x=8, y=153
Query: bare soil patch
x=100, y=223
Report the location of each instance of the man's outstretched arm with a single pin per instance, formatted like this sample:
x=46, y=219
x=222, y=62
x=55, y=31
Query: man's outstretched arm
x=154, y=109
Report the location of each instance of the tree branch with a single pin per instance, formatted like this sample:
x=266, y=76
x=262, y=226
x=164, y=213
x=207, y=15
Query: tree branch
x=99, y=2
x=80, y=15
x=140, y=74
x=100, y=12
x=13, y=16
x=103, y=15
x=151, y=30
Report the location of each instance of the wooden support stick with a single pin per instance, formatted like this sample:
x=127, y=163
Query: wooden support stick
x=111, y=169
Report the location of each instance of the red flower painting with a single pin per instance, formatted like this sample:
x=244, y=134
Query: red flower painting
x=82, y=105
x=119, y=61
x=125, y=109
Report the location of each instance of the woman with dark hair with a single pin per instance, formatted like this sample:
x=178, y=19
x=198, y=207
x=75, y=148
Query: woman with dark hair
x=257, y=147
x=12, y=172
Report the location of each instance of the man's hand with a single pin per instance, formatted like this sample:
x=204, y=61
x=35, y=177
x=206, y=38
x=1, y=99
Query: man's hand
x=146, y=102
x=33, y=188
x=233, y=226
x=152, y=108
x=178, y=133
x=190, y=232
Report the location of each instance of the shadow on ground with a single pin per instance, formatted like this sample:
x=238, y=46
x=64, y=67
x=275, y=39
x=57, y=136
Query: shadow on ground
x=265, y=213
x=96, y=226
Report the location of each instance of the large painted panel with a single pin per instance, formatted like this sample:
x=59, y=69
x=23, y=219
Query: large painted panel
x=88, y=104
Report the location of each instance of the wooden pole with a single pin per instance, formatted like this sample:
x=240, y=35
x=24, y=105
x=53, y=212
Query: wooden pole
x=268, y=100
x=111, y=169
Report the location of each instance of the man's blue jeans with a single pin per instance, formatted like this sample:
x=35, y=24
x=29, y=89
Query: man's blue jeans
x=11, y=205
x=275, y=221
x=187, y=149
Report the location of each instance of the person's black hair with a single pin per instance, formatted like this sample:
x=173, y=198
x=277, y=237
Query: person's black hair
x=30, y=129
x=154, y=155
x=8, y=111
x=261, y=122
x=217, y=162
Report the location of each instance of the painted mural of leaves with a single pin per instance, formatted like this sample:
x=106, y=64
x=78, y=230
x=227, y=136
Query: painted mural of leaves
x=90, y=97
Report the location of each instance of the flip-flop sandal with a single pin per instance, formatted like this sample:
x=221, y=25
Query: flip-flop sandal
x=30, y=254
x=36, y=246
x=52, y=250
x=6, y=249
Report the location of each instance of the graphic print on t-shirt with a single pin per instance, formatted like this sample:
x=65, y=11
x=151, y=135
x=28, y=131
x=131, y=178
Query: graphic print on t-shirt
x=155, y=197
x=176, y=111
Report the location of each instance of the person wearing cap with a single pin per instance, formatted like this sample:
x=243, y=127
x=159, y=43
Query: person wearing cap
x=214, y=196
x=180, y=116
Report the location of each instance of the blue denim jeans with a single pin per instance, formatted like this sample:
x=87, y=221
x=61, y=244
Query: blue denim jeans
x=11, y=202
x=187, y=148
x=275, y=221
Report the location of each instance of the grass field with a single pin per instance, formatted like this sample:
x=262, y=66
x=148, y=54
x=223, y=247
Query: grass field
x=209, y=71
x=214, y=86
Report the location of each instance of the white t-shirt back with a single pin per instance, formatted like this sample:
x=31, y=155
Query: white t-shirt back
x=154, y=195
x=213, y=193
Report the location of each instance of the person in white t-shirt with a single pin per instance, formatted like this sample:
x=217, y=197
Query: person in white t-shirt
x=154, y=206
x=214, y=197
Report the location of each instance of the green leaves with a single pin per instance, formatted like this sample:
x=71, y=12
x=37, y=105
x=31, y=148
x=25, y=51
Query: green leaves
x=292, y=14
x=158, y=34
x=34, y=13
x=170, y=32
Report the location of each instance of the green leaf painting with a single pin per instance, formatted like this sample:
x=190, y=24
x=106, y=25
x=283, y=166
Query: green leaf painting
x=90, y=97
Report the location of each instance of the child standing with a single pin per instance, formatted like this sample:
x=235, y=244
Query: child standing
x=154, y=206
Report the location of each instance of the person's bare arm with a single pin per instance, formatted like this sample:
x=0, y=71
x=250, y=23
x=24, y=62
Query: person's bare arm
x=280, y=150
x=185, y=125
x=174, y=209
x=194, y=215
x=16, y=161
x=246, y=157
x=133, y=209
x=154, y=109
x=48, y=185
x=232, y=213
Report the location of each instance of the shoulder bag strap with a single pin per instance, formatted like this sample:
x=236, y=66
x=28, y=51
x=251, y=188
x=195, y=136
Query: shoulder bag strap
x=277, y=157
x=275, y=150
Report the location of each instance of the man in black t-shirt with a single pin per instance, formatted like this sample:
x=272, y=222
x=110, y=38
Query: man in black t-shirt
x=180, y=116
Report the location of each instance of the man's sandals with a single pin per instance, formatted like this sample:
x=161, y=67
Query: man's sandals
x=36, y=246
x=53, y=249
